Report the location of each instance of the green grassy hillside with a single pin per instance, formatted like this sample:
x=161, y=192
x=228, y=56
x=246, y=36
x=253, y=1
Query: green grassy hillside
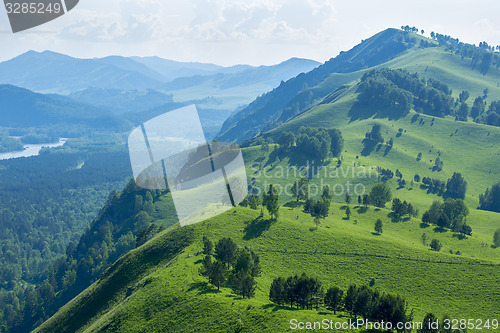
x=157, y=287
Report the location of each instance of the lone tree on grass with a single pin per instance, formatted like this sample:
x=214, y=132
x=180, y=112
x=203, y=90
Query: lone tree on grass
x=348, y=212
x=347, y=198
x=366, y=200
x=456, y=186
x=317, y=221
x=436, y=245
x=270, y=201
x=424, y=239
x=301, y=189
x=379, y=226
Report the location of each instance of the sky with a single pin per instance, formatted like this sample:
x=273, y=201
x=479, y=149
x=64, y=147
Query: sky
x=255, y=32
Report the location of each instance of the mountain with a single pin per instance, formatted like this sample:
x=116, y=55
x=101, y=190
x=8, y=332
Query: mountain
x=57, y=73
x=268, y=108
x=51, y=72
x=444, y=59
x=23, y=108
x=233, y=91
x=122, y=101
x=172, y=70
x=269, y=76
x=130, y=65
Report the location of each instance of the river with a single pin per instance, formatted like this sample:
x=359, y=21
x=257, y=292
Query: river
x=31, y=150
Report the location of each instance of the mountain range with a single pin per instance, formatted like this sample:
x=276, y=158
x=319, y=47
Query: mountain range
x=51, y=72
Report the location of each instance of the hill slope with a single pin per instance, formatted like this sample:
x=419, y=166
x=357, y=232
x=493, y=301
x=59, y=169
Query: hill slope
x=158, y=287
x=390, y=48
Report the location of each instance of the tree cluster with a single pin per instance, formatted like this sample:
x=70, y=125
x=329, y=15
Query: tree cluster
x=319, y=207
x=451, y=214
x=316, y=142
x=231, y=265
x=375, y=134
x=434, y=186
x=385, y=174
x=305, y=292
x=492, y=117
x=302, y=291
x=400, y=90
x=454, y=187
x=403, y=208
x=490, y=200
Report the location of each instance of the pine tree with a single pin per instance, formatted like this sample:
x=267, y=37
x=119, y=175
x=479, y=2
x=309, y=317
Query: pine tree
x=496, y=238
x=217, y=275
x=225, y=251
x=277, y=292
x=379, y=226
x=333, y=299
x=270, y=201
x=208, y=247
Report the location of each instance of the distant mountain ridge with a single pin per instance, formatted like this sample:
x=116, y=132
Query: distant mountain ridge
x=51, y=72
x=172, y=70
x=270, y=75
x=23, y=108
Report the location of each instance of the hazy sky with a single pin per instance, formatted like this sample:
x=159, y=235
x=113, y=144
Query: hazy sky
x=244, y=31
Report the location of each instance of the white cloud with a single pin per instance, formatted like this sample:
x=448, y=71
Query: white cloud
x=244, y=31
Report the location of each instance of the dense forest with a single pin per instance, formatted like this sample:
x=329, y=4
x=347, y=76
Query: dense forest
x=8, y=144
x=122, y=224
x=47, y=201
